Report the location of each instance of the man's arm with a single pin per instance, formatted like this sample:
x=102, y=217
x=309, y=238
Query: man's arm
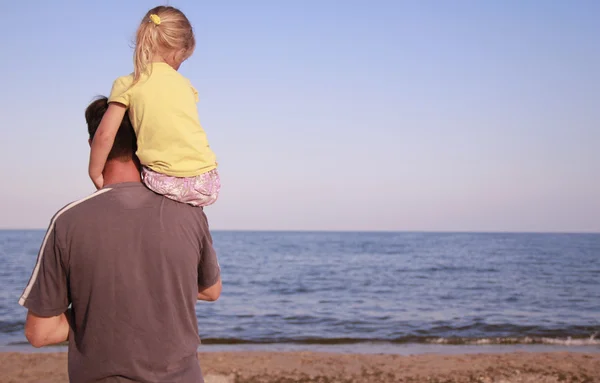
x=209, y=271
x=46, y=296
x=44, y=331
x=211, y=293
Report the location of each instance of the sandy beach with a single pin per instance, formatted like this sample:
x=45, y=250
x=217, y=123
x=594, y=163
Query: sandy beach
x=292, y=367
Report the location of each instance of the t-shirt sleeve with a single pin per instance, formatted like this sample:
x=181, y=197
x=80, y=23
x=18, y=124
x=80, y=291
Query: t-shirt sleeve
x=121, y=91
x=46, y=294
x=194, y=92
x=209, y=270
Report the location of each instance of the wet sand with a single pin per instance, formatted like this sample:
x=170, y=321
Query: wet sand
x=292, y=367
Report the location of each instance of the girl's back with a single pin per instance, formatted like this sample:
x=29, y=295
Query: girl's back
x=162, y=109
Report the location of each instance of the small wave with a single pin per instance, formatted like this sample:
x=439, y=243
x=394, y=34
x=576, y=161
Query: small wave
x=7, y=327
x=567, y=341
x=22, y=343
x=443, y=268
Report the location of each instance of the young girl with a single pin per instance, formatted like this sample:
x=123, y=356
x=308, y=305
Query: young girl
x=176, y=159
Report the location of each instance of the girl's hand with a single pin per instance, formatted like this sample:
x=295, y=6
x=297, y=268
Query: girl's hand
x=98, y=181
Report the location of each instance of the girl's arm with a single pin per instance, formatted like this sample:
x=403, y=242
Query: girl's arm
x=103, y=141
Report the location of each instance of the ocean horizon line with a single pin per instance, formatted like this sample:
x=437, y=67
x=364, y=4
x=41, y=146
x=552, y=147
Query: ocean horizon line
x=369, y=231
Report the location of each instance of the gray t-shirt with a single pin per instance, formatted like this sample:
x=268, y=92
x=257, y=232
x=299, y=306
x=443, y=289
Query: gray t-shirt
x=130, y=262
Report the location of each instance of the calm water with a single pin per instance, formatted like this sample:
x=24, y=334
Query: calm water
x=393, y=288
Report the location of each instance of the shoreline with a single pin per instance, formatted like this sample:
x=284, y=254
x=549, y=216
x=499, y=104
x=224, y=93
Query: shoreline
x=366, y=348
x=310, y=366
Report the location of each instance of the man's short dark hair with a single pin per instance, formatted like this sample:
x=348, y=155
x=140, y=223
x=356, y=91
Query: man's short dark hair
x=125, y=146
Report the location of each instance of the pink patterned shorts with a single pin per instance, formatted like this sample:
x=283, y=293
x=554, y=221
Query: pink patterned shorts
x=202, y=190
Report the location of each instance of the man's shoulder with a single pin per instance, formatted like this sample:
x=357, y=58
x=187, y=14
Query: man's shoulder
x=113, y=199
x=75, y=207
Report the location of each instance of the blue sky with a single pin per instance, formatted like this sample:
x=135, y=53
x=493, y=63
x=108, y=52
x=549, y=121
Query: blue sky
x=332, y=115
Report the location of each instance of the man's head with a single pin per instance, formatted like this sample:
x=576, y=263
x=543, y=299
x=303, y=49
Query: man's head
x=125, y=146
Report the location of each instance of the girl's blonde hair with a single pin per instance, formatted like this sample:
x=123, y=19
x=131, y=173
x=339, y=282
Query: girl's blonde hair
x=164, y=30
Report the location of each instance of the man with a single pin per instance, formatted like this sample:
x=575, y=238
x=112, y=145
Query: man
x=131, y=264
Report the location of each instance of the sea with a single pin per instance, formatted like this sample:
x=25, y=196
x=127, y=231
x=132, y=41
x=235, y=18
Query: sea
x=370, y=292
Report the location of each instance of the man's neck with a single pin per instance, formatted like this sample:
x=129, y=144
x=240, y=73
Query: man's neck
x=116, y=172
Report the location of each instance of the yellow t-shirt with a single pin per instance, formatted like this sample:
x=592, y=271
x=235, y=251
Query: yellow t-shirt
x=162, y=109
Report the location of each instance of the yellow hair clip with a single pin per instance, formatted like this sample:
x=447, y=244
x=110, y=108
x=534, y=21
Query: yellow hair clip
x=155, y=19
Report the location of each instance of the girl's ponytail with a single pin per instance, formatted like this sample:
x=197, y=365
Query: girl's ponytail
x=145, y=46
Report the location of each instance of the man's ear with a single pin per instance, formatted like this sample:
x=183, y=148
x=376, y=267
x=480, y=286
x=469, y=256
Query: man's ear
x=90, y=142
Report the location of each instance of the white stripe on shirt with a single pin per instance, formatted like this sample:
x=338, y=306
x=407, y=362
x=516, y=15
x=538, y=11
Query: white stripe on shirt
x=36, y=269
